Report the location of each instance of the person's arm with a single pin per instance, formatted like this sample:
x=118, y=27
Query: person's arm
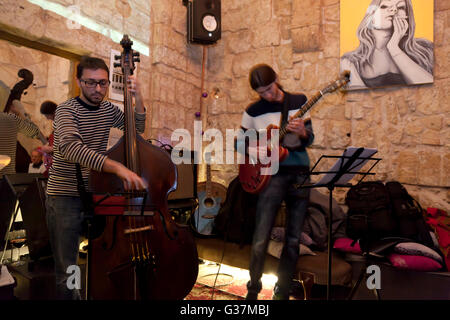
x=140, y=110
x=303, y=130
x=410, y=70
x=18, y=110
x=131, y=181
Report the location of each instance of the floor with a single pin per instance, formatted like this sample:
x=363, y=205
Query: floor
x=37, y=283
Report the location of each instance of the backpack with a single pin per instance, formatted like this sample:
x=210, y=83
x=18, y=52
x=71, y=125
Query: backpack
x=235, y=221
x=409, y=214
x=369, y=213
x=378, y=211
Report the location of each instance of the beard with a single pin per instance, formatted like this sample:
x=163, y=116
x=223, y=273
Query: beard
x=94, y=98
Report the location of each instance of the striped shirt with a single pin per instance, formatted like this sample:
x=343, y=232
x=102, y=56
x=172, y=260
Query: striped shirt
x=81, y=136
x=10, y=125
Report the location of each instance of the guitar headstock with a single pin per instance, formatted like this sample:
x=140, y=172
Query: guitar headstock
x=128, y=56
x=340, y=82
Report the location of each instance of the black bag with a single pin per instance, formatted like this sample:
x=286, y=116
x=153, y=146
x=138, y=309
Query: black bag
x=369, y=215
x=409, y=214
x=235, y=221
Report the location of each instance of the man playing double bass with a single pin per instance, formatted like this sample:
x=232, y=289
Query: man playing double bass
x=81, y=131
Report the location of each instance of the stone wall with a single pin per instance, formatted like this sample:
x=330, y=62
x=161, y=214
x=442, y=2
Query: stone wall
x=51, y=76
x=408, y=125
x=300, y=39
x=29, y=21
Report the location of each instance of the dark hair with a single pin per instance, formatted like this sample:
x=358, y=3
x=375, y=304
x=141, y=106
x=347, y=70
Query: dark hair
x=261, y=75
x=48, y=107
x=91, y=63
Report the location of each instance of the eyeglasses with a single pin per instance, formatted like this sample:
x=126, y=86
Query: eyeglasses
x=92, y=83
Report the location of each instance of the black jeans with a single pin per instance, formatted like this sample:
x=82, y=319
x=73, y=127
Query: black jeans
x=281, y=187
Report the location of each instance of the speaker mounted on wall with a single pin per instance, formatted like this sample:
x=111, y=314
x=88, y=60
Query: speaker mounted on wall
x=203, y=21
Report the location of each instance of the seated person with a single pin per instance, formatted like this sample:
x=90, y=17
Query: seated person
x=36, y=165
x=48, y=109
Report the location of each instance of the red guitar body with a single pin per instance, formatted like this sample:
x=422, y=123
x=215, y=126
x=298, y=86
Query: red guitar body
x=250, y=173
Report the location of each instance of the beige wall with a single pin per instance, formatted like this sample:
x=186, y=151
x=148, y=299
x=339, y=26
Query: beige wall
x=409, y=125
x=51, y=78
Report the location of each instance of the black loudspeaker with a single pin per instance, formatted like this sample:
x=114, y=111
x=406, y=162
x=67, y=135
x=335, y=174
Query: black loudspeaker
x=186, y=181
x=203, y=21
x=32, y=206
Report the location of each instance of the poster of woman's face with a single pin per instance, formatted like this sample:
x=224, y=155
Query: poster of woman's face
x=387, y=42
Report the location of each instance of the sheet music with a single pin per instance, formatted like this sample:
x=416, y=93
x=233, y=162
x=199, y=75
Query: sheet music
x=356, y=166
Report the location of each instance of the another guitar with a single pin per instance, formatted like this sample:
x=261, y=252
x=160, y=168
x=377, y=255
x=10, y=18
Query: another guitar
x=250, y=172
x=210, y=195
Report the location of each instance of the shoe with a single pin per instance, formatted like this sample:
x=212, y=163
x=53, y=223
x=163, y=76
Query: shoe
x=253, y=290
x=251, y=296
x=279, y=294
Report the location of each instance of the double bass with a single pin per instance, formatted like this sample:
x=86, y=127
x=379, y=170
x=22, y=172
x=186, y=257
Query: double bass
x=144, y=254
x=23, y=159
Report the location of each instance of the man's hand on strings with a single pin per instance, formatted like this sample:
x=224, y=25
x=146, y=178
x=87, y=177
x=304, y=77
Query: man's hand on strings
x=297, y=126
x=135, y=89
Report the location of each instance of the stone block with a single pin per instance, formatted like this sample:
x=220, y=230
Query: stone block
x=429, y=170
x=305, y=13
x=407, y=163
x=266, y=35
x=306, y=38
x=238, y=42
x=282, y=8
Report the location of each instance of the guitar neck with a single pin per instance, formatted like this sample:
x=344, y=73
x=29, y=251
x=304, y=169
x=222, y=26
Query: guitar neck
x=303, y=109
x=208, y=180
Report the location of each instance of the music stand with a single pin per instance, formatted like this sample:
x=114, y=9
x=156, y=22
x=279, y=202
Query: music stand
x=347, y=165
x=15, y=185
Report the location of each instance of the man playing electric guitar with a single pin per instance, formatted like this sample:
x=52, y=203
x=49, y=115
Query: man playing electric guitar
x=259, y=115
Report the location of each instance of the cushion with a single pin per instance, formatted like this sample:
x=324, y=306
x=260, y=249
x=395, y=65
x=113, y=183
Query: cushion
x=417, y=263
x=278, y=234
x=275, y=247
x=345, y=245
x=417, y=249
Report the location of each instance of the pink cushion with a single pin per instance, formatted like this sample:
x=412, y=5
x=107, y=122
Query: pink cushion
x=417, y=263
x=345, y=244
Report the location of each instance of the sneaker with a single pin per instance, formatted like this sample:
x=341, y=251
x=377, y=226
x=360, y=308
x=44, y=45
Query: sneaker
x=251, y=296
x=278, y=296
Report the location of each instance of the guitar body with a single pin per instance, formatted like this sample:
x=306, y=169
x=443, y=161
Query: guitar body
x=250, y=176
x=208, y=206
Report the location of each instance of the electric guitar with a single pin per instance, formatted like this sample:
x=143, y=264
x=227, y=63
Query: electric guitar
x=210, y=195
x=250, y=176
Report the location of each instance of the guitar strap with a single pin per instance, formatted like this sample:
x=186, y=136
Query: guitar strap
x=284, y=110
x=290, y=141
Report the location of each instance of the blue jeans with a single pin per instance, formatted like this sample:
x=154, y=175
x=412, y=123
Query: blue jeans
x=281, y=187
x=64, y=222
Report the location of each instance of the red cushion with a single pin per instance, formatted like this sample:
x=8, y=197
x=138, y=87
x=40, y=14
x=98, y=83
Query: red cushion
x=345, y=244
x=417, y=263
